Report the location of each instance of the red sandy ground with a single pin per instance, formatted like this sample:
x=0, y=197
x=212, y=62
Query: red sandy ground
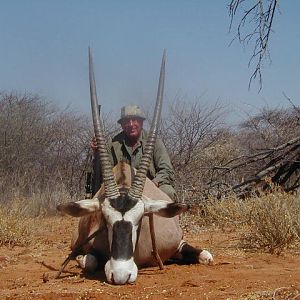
x=29, y=272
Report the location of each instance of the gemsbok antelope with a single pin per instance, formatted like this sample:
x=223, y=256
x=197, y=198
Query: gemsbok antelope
x=116, y=212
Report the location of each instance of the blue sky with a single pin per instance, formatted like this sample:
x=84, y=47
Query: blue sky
x=43, y=50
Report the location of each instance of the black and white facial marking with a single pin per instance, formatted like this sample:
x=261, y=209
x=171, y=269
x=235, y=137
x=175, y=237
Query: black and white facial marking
x=121, y=245
x=123, y=216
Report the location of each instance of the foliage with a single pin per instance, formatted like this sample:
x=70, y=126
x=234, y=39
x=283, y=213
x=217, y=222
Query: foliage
x=270, y=223
x=195, y=136
x=267, y=144
x=41, y=147
x=211, y=159
x=45, y=151
x=274, y=223
x=269, y=127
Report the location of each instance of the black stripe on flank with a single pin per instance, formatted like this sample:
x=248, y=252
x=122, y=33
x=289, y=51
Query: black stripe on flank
x=123, y=203
x=190, y=254
x=121, y=246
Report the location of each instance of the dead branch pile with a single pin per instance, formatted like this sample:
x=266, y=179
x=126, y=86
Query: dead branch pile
x=271, y=154
x=282, y=167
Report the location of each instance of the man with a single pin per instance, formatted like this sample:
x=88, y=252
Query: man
x=129, y=145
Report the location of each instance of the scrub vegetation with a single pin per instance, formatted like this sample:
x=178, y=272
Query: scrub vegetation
x=269, y=223
x=245, y=178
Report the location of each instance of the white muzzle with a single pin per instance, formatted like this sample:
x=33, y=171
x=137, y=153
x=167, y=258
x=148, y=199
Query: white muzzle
x=121, y=271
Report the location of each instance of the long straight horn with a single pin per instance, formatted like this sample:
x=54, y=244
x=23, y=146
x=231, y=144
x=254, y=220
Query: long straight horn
x=137, y=187
x=111, y=189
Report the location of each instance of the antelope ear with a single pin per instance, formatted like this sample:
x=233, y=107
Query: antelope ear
x=80, y=208
x=163, y=208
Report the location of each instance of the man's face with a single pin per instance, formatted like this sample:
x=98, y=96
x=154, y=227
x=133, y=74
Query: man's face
x=132, y=127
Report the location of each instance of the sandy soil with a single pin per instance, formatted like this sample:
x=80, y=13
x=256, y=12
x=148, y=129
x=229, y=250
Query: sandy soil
x=29, y=272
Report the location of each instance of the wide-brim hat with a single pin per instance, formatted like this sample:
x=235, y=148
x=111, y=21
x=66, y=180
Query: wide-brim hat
x=131, y=111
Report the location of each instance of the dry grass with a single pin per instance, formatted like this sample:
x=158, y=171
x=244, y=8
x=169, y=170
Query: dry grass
x=290, y=292
x=37, y=202
x=16, y=229
x=270, y=223
x=274, y=223
x=20, y=216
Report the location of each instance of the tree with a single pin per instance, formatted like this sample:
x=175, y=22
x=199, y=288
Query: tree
x=259, y=14
x=193, y=132
x=42, y=148
x=269, y=152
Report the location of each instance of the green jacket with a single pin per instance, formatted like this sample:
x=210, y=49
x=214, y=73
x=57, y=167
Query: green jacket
x=160, y=169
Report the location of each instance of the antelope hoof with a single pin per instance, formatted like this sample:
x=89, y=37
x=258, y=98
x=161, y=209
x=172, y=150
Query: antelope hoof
x=87, y=262
x=205, y=258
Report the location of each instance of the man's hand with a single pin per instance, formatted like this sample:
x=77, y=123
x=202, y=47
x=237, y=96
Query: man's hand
x=155, y=182
x=94, y=146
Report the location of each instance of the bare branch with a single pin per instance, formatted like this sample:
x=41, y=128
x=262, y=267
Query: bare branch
x=261, y=14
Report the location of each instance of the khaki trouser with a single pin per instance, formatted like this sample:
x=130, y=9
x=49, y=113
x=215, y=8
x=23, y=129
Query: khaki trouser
x=169, y=190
